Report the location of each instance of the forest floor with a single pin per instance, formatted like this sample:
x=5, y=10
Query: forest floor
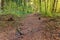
x=33, y=27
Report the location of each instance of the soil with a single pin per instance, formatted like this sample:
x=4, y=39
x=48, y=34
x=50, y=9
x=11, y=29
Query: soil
x=33, y=27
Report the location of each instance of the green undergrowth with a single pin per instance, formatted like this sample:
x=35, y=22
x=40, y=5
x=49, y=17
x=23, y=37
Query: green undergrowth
x=51, y=15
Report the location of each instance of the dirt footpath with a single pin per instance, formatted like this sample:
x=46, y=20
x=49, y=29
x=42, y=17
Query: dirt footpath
x=33, y=27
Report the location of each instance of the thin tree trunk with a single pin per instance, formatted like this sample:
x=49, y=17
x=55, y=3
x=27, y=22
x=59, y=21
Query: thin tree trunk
x=40, y=5
x=2, y=4
x=53, y=6
x=56, y=5
x=45, y=7
x=47, y=4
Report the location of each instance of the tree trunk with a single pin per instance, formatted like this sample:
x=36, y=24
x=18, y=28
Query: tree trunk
x=53, y=6
x=56, y=6
x=45, y=7
x=40, y=5
x=2, y=4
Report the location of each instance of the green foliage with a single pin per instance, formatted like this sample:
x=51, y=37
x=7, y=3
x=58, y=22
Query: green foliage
x=14, y=9
x=24, y=7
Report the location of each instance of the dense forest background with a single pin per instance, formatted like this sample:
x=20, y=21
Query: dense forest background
x=23, y=7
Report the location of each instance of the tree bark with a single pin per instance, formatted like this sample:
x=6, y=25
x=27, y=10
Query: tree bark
x=53, y=6
x=56, y=6
x=40, y=5
x=2, y=4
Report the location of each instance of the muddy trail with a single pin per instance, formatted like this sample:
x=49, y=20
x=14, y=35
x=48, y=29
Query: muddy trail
x=33, y=27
